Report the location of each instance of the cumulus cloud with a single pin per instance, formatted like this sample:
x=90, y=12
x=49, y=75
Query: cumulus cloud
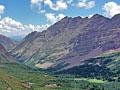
x=2, y=8
x=35, y=1
x=69, y=1
x=60, y=5
x=42, y=11
x=86, y=4
x=11, y=27
x=56, y=6
x=111, y=8
x=52, y=18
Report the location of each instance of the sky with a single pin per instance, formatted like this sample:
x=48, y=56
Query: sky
x=20, y=17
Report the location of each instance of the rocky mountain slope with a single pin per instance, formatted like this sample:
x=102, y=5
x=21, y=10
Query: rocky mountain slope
x=7, y=42
x=5, y=57
x=70, y=42
x=107, y=65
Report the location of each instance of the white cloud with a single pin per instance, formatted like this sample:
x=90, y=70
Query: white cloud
x=42, y=11
x=49, y=3
x=111, y=8
x=60, y=5
x=44, y=5
x=56, y=6
x=86, y=4
x=35, y=1
x=69, y=1
x=2, y=8
x=10, y=27
x=52, y=18
x=89, y=16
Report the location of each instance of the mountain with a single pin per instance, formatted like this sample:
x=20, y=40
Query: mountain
x=7, y=42
x=5, y=57
x=83, y=54
x=69, y=42
x=107, y=65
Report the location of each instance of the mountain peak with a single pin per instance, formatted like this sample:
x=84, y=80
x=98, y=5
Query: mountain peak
x=117, y=16
x=79, y=17
x=97, y=16
x=66, y=18
x=30, y=35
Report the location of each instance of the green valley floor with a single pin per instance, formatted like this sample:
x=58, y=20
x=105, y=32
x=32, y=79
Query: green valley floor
x=19, y=77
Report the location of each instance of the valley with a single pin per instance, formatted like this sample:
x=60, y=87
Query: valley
x=59, y=44
x=19, y=77
x=72, y=54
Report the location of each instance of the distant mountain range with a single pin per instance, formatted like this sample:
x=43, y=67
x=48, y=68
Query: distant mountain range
x=69, y=42
x=7, y=42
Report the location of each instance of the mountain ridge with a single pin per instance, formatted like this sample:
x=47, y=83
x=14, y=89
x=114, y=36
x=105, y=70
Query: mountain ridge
x=7, y=42
x=70, y=41
x=5, y=56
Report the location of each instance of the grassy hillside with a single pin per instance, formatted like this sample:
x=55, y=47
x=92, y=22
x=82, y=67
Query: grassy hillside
x=20, y=77
x=9, y=82
x=101, y=73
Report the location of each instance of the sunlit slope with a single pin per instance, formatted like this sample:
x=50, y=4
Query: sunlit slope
x=20, y=77
x=8, y=82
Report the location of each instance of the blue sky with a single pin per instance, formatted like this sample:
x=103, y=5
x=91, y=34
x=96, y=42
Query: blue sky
x=20, y=10
x=25, y=16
